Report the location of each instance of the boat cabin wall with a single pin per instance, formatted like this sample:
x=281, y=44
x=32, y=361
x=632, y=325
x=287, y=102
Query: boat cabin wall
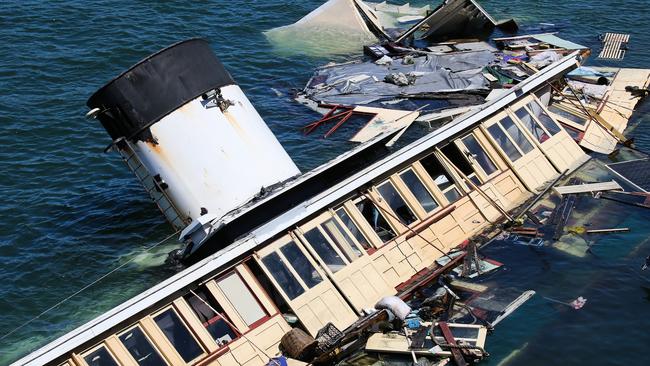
x=346, y=257
x=227, y=320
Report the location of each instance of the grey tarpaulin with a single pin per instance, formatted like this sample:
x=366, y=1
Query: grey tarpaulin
x=363, y=82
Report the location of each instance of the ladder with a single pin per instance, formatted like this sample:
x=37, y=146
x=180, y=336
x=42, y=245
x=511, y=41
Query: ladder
x=154, y=185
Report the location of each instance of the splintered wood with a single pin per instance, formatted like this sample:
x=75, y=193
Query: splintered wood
x=614, y=46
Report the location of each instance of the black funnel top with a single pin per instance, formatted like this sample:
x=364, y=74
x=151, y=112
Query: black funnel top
x=156, y=86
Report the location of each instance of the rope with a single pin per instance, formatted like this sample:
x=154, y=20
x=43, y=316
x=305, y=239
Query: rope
x=84, y=288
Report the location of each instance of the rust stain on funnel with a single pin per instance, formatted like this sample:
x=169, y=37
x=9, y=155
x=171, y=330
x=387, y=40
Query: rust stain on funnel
x=235, y=125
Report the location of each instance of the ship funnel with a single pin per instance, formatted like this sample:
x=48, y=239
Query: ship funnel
x=189, y=134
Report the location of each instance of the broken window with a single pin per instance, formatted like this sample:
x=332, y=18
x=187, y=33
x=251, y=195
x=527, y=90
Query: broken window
x=140, y=348
x=461, y=162
x=479, y=155
x=100, y=357
x=569, y=114
x=376, y=220
x=396, y=203
x=285, y=279
x=211, y=316
x=342, y=240
x=325, y=251
x=440, y=177
x=418, y=189
x=178, y=335
x=352, y=227
x=242, y=298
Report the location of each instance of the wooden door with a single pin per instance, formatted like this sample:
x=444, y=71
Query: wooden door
x=304, y=286
x=547, y=134
x=523, y=156
x=344, y=261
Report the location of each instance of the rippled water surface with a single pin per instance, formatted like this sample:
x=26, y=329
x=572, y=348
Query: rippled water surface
x=70, y=213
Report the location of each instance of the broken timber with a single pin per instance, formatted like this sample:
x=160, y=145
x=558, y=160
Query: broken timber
x=587, y=188
x=614, y=46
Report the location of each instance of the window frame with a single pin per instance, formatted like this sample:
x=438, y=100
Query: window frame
x=407, y=193
x=251, y=326
x=148, y=338
x=86, y=353
x=224, y=315
x=496, y=121
x=565, y=120
x=524, y=104
x=172, y=307
x=363, y=223
x=456, y=182
x=513, y=112
x=346, y=210
x=482, y=175
x=317, y=224
x=393, y=217
x=275, y=248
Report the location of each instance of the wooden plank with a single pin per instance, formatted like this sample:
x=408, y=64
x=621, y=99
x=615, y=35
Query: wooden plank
x=604, y=231
x=449, y=338
x=586, y=188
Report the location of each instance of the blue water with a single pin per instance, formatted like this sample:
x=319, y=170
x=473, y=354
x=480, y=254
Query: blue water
x=70, y=213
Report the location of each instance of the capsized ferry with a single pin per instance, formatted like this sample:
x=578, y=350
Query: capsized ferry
x=321, y=246
x=284, y=250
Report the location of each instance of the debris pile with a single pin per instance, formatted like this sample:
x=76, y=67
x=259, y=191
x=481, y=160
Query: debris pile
x=440, y=315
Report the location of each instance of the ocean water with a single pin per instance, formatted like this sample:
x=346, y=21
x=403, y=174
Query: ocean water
x=70, y=213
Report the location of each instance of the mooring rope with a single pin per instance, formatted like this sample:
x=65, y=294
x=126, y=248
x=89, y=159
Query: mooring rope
x=85, y=288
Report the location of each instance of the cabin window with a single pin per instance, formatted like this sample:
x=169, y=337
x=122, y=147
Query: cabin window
x=376, y=219
x=140, y=348
x=531, y=125
x=517, y=135
x=481, y=157
x=178, y=335
x=459, y=159
x=396, y=203
x=301, y=264
x=418, y=189
x=100, y=357
x=211, y=315
x=325, y=251
x=575, y=117
x=353, y=228
x=280, y=272
x=242, y=299
x=504, y=142
x=341, y=238
x=440, y=177
x=551, y=126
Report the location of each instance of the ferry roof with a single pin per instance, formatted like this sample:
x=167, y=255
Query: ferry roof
x=260, y=235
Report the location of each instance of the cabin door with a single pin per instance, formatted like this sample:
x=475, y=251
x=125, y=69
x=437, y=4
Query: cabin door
x=548, y=135
x=344, y=260
x=523, y=156
x=304, y=286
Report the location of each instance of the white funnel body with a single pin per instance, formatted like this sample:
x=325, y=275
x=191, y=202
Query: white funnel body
x=214, y=159
x=190, y=135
